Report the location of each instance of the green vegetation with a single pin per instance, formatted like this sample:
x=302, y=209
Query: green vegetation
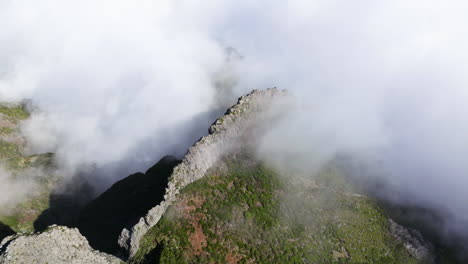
x=14, y=113
x=8, y=150
x=5, y=131
x=249, y=214
x=22, y=217
x=18, y=162
x=9, y=119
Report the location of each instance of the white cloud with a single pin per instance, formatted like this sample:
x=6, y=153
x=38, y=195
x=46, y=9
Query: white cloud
x=112, y=76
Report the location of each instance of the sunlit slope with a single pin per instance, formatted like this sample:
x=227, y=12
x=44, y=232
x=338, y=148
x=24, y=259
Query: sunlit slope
x=30, y=170
x=243, y=212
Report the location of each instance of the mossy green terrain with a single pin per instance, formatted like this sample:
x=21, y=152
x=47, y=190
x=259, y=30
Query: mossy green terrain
x=14, y=113
x=32, y=168
x=243, y=212
x=10, y=141
x=21, y=218
x=8, y=150
x=5, y=131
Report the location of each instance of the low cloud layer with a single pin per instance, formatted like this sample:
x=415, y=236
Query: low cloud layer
x=119, y=81
x=15, y=188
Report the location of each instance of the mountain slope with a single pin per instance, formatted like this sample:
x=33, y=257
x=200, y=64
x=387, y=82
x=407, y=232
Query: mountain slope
x=243, y=212
x=239, y=124
x=34, y=171
x=222, y=205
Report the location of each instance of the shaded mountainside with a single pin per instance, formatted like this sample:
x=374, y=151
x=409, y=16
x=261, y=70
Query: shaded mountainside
x=122, y=205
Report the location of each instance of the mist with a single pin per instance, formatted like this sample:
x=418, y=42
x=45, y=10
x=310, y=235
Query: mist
x=11, y=190
x=18, y=186
x=119, y=84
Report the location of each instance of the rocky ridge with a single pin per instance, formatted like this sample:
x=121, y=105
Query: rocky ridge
x=56, y=245
x=223, y=137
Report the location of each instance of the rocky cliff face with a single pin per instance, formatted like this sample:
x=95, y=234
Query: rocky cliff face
x=412, y=240
x=224, y=136
x=56, y=245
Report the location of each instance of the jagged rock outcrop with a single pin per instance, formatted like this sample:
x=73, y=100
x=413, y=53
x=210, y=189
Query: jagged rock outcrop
x=56, y=245
x=224, y=136
x=412, y=240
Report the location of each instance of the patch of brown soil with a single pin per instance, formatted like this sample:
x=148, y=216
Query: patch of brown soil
x=232, y=258
x=197, y=239
x=28, y=217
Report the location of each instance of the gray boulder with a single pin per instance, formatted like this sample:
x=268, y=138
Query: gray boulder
x=55, y=246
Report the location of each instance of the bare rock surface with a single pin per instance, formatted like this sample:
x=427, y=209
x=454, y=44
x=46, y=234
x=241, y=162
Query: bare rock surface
x=224, y=136
x=413, y=241
x=54, y=246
